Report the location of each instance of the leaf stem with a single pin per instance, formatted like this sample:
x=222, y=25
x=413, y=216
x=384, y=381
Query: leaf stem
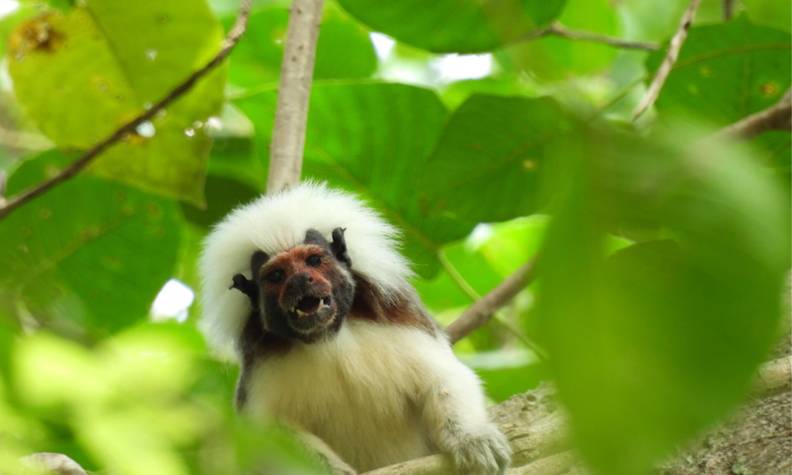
x=494, y=313
x=559, y=30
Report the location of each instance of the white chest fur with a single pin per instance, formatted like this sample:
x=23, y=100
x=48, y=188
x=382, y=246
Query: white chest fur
x=359, y=391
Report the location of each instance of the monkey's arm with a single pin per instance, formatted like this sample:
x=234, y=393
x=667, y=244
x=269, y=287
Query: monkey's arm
x=454, y=414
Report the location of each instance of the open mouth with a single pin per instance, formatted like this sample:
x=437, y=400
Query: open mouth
x=309, y=305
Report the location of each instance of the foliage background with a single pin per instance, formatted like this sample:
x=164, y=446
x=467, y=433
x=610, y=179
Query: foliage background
x=662, y=264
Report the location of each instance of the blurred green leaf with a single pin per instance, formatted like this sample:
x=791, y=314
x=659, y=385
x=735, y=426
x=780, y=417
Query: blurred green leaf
x=112, y=393
x=488, y=161
x=726, y=72
x=344, y=49
x=769, y=12
x=348, y=146
x=654, y=345
x=462, y=26
x=87, y=257
x=49, y=371
x=128, y=59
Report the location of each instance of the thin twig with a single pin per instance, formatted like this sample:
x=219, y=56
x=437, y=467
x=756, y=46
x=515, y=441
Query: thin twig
x=556, y=29
x=497, y=316
x=624, y=92
x=668, y=62
x=481, y=312
x=457, y=277
x=776, y=117
x=294, y=92
x=78, y=165
x=728, y=9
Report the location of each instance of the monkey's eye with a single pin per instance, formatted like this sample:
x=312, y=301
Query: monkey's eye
x=275, y=276
x=314, y=260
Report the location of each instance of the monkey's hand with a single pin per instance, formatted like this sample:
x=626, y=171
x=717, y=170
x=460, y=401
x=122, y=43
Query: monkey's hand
x=247, y=287
x=455, y=417
x=483, y=452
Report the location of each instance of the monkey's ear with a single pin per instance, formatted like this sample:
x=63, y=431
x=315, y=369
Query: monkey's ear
x=247, y=287
x=339, y=247
x=256, y=261
x=312, y=236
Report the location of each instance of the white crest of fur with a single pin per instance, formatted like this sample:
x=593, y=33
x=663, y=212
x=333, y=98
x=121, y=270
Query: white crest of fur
x=276, y=223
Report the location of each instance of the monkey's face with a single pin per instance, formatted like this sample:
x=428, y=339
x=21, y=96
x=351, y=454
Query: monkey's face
x=304, y=292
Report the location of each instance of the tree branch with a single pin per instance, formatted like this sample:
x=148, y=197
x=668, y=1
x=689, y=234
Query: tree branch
x=481, y=312
x=497, y=314
x=183, y=87
x=294, y=92
x=559, y=30
x=668, y=62
x=776, y=117
x=773, y=376
x=54, y=463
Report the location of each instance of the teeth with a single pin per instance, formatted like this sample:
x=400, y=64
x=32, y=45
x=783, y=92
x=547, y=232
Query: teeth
x=323, y=302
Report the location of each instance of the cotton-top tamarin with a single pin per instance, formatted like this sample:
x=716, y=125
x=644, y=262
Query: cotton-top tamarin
x=307, y=290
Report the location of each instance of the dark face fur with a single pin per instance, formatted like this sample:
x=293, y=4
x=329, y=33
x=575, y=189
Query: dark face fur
x=303, y=293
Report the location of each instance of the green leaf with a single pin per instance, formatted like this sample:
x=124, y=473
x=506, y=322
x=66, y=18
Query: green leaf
x=9, y=22
x=374, y=139
x=463, y=26
x=88, y=256
x=553, y=58
x=344, y=49
x=657, y=343
x=726, y=72
x=108, y=62
x=234, y=158
x=488, y=162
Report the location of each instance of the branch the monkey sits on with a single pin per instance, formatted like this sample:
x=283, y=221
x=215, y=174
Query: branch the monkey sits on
x=307, y=290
